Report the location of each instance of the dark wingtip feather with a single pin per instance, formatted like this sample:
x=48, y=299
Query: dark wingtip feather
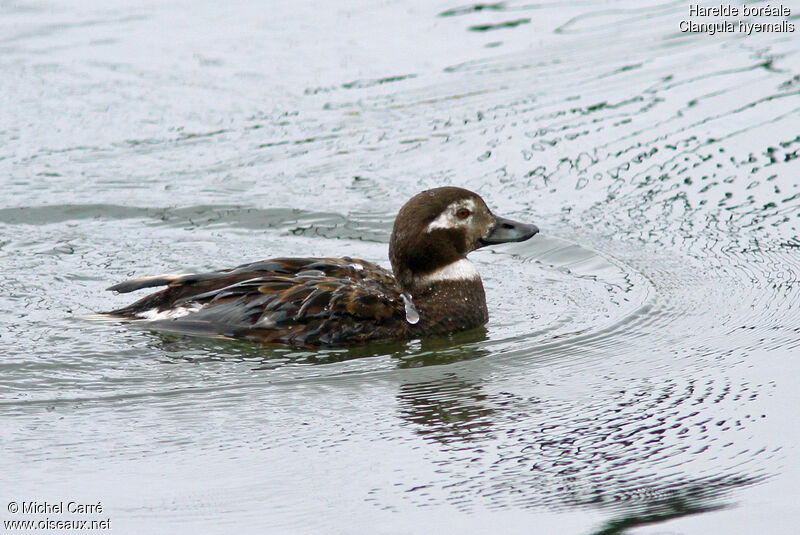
x=146, y=282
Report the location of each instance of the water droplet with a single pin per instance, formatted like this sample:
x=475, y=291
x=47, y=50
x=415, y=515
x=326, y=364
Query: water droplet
x=412, y=316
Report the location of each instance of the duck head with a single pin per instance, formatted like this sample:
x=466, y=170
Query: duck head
x=436, y=230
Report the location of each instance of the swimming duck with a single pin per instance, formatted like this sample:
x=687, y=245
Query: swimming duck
x=434, y=290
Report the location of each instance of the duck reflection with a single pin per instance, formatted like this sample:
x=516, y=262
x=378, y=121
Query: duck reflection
x=448, y=410
x=405, y=354
x=434, y=351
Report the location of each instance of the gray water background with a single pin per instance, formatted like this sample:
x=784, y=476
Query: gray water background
x=639, y=372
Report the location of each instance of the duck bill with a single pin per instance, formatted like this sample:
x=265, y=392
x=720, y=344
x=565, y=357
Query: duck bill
x=506, y=230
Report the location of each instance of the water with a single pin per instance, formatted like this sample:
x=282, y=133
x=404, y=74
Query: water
x=638, y=373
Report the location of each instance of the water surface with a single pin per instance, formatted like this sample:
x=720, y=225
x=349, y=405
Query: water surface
x=638, y=373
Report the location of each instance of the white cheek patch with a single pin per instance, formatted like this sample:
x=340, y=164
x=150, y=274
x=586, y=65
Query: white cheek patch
x=459, y=270
x=448, y=218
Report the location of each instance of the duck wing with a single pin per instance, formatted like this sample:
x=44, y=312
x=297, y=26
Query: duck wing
x=299, y=301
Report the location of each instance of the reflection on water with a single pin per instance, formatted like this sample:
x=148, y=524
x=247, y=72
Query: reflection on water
x=450, y=411
x=639, y=357
x=552, y=456
x=404, y=354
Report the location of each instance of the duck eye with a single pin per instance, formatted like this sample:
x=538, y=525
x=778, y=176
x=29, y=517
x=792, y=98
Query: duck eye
x=462, y=213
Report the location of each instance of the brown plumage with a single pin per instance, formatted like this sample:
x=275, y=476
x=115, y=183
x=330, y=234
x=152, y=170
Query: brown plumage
x=296, y=301
x=342, y=301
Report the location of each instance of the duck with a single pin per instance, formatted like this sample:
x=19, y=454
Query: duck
x=433, y=288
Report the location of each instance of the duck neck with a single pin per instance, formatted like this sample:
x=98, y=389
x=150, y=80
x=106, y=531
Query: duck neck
x=449, y=298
